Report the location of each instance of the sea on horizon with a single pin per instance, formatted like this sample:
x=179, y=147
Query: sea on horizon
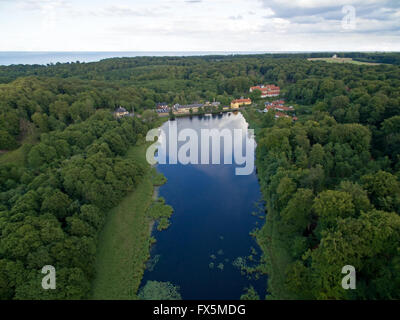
x=43, y=58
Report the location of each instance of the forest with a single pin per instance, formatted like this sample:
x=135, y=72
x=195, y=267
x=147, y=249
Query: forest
x=331, y=186
x=330, y=181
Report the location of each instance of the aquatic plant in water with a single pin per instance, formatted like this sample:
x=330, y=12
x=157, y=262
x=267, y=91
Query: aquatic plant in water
x=153, y=262
x=155, y=290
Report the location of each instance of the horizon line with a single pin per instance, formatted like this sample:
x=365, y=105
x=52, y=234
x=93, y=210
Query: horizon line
x=206, y=51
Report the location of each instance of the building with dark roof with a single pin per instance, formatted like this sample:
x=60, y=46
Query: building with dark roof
x=122, y=112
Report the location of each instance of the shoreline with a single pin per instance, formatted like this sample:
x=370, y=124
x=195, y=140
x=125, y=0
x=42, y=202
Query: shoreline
x=125, y=241
x=154, y=197
x=183, y=115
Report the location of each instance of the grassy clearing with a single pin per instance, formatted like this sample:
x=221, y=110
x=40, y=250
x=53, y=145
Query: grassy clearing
x=125, y=241
x=275, y=257
x=124, y=244
x=15, y=157
x=342, y=60
x=253, y=118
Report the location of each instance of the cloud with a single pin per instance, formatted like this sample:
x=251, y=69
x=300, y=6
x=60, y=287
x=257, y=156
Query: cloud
x=121, y=11
x=42, y=4
x=295, y=8
x=173, y=25
x=238, y=17
x=314, y=16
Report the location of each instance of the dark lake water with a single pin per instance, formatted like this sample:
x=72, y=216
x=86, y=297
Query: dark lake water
x=212, y=216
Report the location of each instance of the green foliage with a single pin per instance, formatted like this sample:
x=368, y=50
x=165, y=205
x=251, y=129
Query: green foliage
x=7, y=141
x=383, y=189
x=342, y=160
x=158, y=178
x=149, y=116
x=250, y=294
x=52, y=205
x=172, y=115
x=331, y=205
x=155, y=290
x=331, y=186
x=297, y=215
x=127, y=226
x=161, y=212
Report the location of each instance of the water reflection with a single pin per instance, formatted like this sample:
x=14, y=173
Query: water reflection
x=207, y=140
x=211, y=223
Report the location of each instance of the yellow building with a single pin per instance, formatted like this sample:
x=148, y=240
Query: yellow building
x=235, y=104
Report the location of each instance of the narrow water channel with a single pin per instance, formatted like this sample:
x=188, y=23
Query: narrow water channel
x=211, y=222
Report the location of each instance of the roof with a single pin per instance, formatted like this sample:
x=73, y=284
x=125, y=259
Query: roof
x=281, y=115
x=268, y=87
x=241, y=100
x=284, y=108
x=279, y=104
x=120, y=110
x=195, y=105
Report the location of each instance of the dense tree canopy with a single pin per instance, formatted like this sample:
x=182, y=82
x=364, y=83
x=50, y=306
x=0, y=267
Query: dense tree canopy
x=52, y=209
x=330, y=180
x=331, y=184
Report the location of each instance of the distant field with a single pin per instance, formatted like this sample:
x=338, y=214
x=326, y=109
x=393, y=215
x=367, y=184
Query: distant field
x=343, y=60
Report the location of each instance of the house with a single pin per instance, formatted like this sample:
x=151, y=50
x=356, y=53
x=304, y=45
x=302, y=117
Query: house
x=269, y=90
x=162, y=107
x=278, y=105
x=214, y=104
x=186, y=108
x=276, y=102
x=121, y=112
x=280, y=109
x=236, y=104
x=281, y=115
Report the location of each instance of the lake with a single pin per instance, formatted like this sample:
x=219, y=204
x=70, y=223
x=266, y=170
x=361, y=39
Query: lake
x=211, y=222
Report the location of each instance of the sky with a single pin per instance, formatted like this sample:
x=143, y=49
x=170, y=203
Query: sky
x=200, y=25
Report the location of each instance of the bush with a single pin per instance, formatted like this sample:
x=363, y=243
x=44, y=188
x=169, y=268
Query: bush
x=155, y=290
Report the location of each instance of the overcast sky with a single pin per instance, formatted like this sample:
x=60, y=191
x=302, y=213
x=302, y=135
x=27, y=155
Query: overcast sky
x=199, y=25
